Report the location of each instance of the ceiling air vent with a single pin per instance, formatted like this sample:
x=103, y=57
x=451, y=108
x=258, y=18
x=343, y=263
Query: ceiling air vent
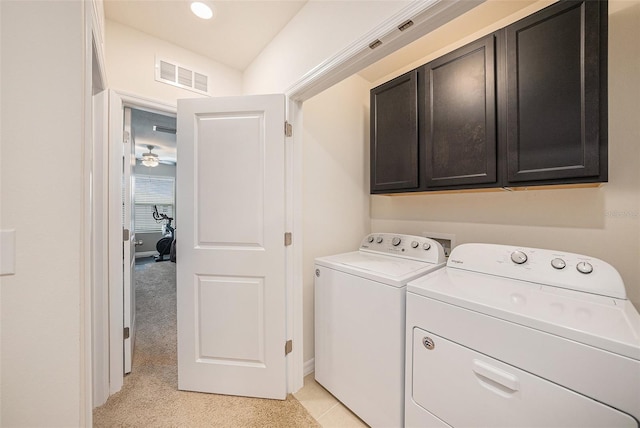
x=183, y=77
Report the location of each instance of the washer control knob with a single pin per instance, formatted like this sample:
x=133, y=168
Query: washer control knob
x=426, y=246
x=414, y=244
x=558, y=263
x=584, y=267
x=379, y=240
x=370, y=239
x=396, y=241
x=518, y=257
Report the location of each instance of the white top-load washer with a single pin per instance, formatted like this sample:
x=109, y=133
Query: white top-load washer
x=513, y=337
x=360, y=322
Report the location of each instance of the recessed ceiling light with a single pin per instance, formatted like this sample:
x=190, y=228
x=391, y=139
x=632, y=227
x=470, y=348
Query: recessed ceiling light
x=201, y=10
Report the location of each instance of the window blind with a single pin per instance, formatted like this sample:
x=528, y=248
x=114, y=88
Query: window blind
x=153, y=190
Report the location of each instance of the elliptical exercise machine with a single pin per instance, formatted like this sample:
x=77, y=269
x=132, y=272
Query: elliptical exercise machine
x=164, y=244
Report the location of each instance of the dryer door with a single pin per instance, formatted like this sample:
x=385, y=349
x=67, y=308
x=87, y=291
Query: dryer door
x=465, y=388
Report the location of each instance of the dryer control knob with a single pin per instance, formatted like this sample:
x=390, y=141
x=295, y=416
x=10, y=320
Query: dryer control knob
x=426, y=246
x=558, y=263
x=518, y=257
x=370, y=239
x=414, y=244
x=379, y=240
x=584, y=267
x=396, y=241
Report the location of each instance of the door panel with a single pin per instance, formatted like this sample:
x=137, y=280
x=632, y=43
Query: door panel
x=556, y=98
x=241, y=223
x=231, y=294
x=394, y=135
x=458, y=126
x=230, y=301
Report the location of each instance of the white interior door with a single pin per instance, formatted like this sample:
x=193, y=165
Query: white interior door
x=128, y=242
x=231, y=252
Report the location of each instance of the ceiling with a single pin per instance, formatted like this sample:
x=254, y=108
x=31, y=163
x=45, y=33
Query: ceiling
x=142, y=123
x=237, y=33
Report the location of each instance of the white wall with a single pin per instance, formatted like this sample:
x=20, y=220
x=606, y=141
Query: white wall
x=602, y=222
x=130, y=57
x=320, y=30
x=335, y=183
x=41, y=174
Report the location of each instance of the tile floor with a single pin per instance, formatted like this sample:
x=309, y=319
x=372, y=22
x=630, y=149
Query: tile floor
x=324, y=407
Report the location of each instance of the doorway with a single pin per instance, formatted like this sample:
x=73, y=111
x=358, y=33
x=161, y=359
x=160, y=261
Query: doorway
x=231, y=149
x=153, y=220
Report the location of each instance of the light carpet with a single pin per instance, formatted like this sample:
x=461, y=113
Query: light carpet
x=150, y=397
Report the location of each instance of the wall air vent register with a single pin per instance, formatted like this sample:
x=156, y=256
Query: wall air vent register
x=170, y=72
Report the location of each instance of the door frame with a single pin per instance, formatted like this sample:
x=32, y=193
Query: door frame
x=115, y=304
x=293, y=253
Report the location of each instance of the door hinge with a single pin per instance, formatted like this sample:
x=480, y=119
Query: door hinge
x=288, y=129
x=287, y=239
x=125, y=234
x=125, y=137
x=288, y=347
x=126, y=332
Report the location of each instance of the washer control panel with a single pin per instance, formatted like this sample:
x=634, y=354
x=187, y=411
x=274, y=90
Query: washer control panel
x=407, y=246
x=546, y=267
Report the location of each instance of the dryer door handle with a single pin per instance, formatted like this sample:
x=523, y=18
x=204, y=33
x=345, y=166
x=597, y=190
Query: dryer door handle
x=496, y=375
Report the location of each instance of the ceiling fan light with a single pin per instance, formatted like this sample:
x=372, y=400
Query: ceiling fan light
x=201, y=10
x=150, y=159
x=150, y=162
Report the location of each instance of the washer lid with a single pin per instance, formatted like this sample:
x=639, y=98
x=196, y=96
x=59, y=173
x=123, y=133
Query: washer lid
x=391, y=270
x=599, y=321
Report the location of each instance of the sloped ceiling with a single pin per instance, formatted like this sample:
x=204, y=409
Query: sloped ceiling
x=237, y=33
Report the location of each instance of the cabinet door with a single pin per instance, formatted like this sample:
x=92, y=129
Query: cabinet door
x=458, y=117
x=556, y=95
x=394, y=135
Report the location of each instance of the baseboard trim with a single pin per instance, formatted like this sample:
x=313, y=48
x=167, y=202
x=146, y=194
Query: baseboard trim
x=146, y=254
x=309, y=366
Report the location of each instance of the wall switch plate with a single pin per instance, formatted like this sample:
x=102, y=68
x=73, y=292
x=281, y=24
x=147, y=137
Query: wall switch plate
x=447, y=240
x=7, y=252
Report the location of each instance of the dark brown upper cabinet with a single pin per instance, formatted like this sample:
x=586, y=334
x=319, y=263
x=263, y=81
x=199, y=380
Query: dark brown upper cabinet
x=556, y=77
x=457, y=96
x=394, y=135
x=524, y=106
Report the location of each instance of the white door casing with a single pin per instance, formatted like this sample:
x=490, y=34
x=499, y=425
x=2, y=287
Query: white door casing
x=121, y=251
x=116, y=294
x=231, y=253
x=128, y=242
x=116, y=274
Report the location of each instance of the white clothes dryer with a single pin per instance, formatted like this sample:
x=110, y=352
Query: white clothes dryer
x=521, y=337
x=360, y=300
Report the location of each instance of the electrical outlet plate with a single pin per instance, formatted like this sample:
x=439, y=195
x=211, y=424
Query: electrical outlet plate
x=447, y=240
